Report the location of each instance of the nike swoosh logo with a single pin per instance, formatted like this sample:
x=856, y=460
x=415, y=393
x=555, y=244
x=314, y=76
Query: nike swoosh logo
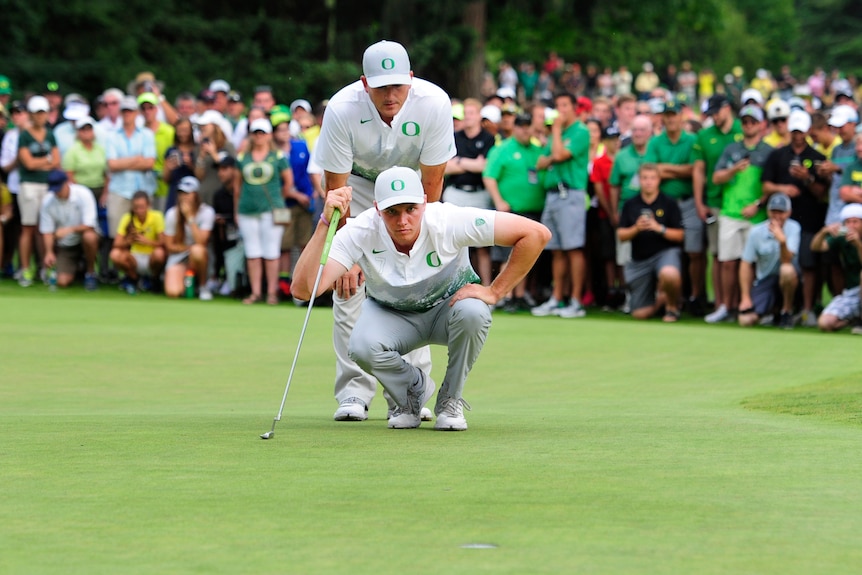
x=373, y=251
x=365, y=121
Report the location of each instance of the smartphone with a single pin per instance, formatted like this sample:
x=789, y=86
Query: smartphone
x=646, y=213
x=711, y=219
x=206, y=141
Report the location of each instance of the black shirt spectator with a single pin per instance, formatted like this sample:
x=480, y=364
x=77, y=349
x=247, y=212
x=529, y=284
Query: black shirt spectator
x=666, y=212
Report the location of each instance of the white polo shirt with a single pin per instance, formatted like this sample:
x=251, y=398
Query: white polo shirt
x=78, y=209
x=353, y=137
x=437, y=266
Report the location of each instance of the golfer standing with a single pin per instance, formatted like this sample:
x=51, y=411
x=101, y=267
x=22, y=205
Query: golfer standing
x=387, y=118
x=420, y=285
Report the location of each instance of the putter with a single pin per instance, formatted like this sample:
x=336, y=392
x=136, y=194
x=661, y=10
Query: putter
x=336, y=215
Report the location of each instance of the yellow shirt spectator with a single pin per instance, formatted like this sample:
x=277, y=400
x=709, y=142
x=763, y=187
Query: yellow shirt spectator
x=151, y=228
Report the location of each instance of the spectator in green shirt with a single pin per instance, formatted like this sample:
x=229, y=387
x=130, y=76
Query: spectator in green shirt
x=511, y=179
x=671, y=150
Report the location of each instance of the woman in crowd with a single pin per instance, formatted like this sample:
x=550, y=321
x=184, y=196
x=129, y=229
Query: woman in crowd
x=188, y=226
x=212, y=144
x=179, y=159
x=38, y=155
x=139, y=245
x=265, y=180
x=85, y=163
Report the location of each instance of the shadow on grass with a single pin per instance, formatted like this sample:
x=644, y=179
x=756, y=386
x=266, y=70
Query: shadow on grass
x=837, y=399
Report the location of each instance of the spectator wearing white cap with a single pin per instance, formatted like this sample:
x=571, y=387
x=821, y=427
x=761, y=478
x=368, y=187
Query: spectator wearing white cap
x=188, y=226
x=844, y=239
x=491, y=118
x=768, y=273
x=738, y=171
x=213, y=142
x=75, y=108
x=220, y=89
x=37, y=157
x=264, y=180
x=384, y=119
x=777, y=112
x=791, y=170
x=85, y=161
x=464, y=172
x=301, y=117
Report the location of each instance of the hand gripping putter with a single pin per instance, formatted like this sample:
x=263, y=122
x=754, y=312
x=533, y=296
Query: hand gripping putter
x=336, y=215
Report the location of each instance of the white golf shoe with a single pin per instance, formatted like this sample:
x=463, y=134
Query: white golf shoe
x=450, y=415
x=351, y=409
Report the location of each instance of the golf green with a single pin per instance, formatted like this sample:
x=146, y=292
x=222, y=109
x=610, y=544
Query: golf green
x=129, y=443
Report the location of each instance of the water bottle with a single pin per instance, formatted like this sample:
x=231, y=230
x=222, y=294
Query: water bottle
x=189, y=284
x=52, y=279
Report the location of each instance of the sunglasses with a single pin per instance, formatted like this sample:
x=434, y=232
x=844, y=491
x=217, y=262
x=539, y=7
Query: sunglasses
x=749, y=121
x=258, y=132
x=776, y=120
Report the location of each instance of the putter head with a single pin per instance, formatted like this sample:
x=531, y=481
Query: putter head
x=267, y=435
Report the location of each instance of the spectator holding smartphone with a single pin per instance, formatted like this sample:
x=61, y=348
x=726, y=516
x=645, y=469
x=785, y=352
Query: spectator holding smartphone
x=139, y=245
x=212, y=143
x=179, y=159
x=652, y=222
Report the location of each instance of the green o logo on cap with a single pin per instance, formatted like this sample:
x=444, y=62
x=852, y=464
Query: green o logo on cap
x=388, y=64
x=397, y=185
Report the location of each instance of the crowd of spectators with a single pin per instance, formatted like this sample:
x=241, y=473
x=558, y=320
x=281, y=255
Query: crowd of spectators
x=221, y=191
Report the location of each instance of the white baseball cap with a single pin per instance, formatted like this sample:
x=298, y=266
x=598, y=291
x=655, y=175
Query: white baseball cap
x=799, y=121
x=491, y=113
x=777, y=109
x=300, y=103
x=76, y=111
x=386, y=64
x=38, y=104
x=85, y=121
x=398, y=186
x=261, y=124
x=219, y=86
x=209, y=117
x=188, y=184
x=751, y=94
x=842, y=115
x=851, y=211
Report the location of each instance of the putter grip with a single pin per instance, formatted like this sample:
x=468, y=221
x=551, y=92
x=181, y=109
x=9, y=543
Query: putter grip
x=333, y=224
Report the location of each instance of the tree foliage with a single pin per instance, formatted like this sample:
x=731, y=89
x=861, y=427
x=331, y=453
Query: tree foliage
x=311, y=49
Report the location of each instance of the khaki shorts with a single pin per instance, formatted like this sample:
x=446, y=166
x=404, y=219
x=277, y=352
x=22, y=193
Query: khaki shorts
x=68, y=259
x=298, y=232
x=118, y=206
x=624, y=253
x=732, y=235
x=712, y=233
x=30, y=197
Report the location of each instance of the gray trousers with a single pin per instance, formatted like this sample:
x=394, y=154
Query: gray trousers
x=382, y=335
x=350, y=379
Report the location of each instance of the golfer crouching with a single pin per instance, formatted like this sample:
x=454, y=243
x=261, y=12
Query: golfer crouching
x=421, y=288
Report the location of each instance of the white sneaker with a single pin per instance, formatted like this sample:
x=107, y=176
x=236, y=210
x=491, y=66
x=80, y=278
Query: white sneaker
x=206, y=294
x=409, y=416
x=425, y=414
x=450, y=415
x=809, y=319
x=225, y=288
x=720, y=314
x=856, y=330
x=767, y=320
x=550, y=307
x=212, y=284
x=574, y=309
x=351, y=409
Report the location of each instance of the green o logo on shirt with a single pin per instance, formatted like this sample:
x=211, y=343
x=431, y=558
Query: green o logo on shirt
x=388, y=64
x=410, y=129
x=397, y=185
x=433, y=260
